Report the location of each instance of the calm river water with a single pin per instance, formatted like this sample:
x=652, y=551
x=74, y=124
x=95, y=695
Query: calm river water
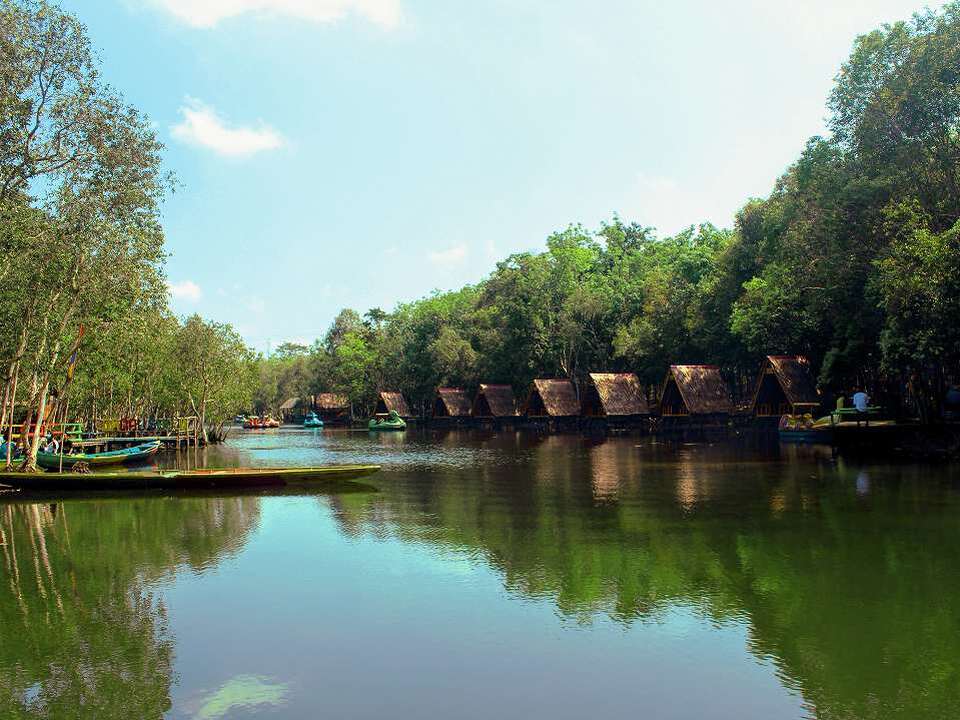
x=494, y=576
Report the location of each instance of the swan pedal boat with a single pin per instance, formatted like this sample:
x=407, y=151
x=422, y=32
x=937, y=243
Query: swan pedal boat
x=312, y=421
x=187, y=479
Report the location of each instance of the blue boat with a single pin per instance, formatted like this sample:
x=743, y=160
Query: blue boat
x=312, y=421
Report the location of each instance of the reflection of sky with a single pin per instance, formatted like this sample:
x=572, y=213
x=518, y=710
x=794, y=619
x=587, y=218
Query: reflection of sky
x=361, y=626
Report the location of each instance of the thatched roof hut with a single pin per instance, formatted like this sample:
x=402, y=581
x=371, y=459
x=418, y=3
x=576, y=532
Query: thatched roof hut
x=552, y=398
x=785, y=385
x=331, y=401
x=393, y=401
x=332, y=407
x=494, y=401
x=289, y=405
x=614, y=395
x=451, y=402
x=695, y=390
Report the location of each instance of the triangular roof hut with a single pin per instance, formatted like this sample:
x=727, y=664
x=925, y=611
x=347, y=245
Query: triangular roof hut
x=614, y=395
x=695, y=390
x=785, y=385
x=451, y=402
x=289, y=407
x=552, y=398
x=494, y=401
x=390, y=400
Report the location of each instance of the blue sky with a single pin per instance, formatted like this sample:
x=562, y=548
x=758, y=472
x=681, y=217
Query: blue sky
x=356, y=153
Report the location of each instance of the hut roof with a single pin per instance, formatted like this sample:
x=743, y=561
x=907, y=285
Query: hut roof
x=499, y=399
x=795, y=377
x=620, y=393
x=702, y=388
x=332, y=401
x=455, y=400
x=559, y=397
x=290, y=403
x=395, y=401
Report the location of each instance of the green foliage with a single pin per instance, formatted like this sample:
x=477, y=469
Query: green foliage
x=81, y=244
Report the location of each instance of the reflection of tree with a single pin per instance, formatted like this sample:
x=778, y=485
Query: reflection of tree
x=852, y=593
x=80, y=632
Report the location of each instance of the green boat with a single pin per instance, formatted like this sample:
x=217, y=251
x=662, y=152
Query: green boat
x=186, y=479
x=312, y=421
x=388, y=421
x=136, y=453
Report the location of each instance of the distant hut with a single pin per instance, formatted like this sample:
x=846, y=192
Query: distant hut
x=451, y=403
x=785, y=385
x=614, y=395
x=552, y=399
x=393, y=401
x=494, y=401
x=694, y=390
x=332, y=408
x=289, y=407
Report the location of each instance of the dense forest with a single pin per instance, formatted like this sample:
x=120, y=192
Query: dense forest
x=853, y=260
x=82, y=248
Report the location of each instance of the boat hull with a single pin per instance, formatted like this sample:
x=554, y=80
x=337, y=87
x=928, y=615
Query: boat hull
x=186, y=479
x=51, y=461
x=806, y=436
x=374, y=425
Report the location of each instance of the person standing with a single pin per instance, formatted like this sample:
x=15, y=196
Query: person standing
x=861, y=401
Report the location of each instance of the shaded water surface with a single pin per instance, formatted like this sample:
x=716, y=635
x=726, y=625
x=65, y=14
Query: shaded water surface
x=495, y=575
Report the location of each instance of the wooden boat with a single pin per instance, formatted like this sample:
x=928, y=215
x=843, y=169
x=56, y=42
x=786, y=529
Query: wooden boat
x=253, y=423
x=389, y=421
x=187, y=479
x=136, y=453
x=803, y=429
x=312, y=421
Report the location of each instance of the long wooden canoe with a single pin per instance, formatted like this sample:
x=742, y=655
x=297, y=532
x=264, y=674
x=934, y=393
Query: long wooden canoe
x=187, y=479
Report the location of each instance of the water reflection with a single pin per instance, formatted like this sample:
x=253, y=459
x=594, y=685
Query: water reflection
x=657, y=567
x=854, y=604
x=81, y=624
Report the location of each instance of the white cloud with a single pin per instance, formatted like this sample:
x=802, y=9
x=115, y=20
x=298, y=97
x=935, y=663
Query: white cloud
x=203, y=127
x=448, y=258
x=187, y=290
x=207, y=13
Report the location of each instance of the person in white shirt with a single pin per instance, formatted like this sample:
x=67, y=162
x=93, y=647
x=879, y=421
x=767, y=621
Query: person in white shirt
x=861, y=401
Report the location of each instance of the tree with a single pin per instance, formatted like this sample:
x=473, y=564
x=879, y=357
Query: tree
x=218, y=373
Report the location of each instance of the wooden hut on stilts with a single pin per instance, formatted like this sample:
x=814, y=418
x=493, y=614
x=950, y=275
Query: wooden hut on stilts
x=784, y=386
x=451, y=407
x=393, y=401
x=554, y=403
x=694, y=396
x=494, y=405
x=614, y=401
x=333, y=408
